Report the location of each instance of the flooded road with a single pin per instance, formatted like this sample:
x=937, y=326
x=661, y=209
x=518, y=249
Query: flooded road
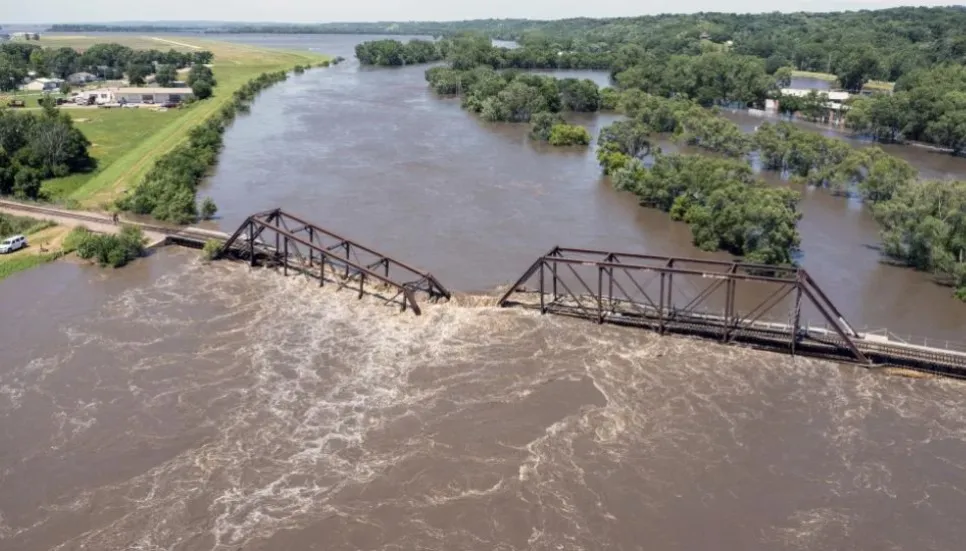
x=173, y=405
x=372, y=154
x=179, y=406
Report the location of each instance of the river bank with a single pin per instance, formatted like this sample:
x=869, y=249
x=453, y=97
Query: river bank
x=128, y=142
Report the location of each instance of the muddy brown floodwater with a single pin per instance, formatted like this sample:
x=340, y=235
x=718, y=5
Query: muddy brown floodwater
x=179, y=406
x=372, y=154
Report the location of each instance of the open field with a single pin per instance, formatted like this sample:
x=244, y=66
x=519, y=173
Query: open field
x=879, y=86
x=80, y=42
x=818, y=76
x=129, y=141
x=113, y=133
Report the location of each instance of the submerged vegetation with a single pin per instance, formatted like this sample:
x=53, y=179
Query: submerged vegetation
x=108, y=250
x=724, y=204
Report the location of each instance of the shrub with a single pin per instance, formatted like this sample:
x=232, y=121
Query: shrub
x=74, y=239
x=542, y=123
x=569, y=134
x=211, y=248
x=298, y=69
x=208, y=208
x=201, y=89
x=111, y=250
x=12, y=225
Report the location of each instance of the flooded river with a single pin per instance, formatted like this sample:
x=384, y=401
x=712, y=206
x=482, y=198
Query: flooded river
x=174, y=405
x=373, y=154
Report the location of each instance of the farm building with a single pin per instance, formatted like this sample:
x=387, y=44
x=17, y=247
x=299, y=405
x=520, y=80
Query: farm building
x=152, y=95
x=79, y=79
x=43, y=84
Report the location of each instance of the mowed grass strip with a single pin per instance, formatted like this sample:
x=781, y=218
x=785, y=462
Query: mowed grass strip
x=113, y=133
x=129, y=141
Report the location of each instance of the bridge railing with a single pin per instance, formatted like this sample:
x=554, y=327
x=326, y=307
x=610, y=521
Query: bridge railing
x=278, y=237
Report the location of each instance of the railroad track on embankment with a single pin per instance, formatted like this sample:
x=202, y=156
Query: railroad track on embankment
x=159, y=234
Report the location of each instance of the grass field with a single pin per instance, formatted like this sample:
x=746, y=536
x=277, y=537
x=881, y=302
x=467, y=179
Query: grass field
x=817, y=76
x=879, y=86
x=129, y=141
x=113, y=133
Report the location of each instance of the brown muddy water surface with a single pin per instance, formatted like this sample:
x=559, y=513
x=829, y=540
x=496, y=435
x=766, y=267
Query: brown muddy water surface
x=174, y=405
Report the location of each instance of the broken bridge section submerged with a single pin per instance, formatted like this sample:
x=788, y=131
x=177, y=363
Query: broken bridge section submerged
x=770, y=307
x=777, y=308
x=278, y=238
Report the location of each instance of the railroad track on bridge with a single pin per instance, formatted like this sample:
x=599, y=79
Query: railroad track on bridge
x=762, y=306
x=732, y=302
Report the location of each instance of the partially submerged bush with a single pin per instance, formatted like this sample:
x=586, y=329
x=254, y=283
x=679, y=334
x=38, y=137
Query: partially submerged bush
x=569, y=134
x=211, y=248
x=74, y=238
x=111, y=250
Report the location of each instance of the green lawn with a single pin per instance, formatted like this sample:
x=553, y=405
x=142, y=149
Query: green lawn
x=129, y=141
x=818, y=76
x=879, y=86
x=113, y=133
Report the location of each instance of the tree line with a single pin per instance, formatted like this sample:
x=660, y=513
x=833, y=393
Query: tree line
x=38, y=146
x=108, y=61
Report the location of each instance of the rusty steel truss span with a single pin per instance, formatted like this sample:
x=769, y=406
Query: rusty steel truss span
x=277, y=238
x=780, y=308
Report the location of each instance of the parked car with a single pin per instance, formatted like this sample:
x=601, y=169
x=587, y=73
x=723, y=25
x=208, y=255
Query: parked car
x=12, y=244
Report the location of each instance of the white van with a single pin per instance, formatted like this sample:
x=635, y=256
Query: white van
x=12, y=244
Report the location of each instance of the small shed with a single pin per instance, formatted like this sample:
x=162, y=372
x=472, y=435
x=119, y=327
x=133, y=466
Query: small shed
x=82, y=78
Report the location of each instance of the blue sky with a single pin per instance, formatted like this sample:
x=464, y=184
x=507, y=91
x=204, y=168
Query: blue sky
x=70, y=11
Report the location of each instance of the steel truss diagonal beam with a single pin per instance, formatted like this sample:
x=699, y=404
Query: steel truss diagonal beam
x=704, y=312
x=278, y=238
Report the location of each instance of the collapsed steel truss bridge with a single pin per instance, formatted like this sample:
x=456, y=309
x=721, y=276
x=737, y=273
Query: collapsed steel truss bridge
x=764, y=306
x=277, y=238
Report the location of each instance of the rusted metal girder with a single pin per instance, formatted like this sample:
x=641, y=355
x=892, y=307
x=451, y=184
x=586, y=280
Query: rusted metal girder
x=711, y=298
x=283, y=239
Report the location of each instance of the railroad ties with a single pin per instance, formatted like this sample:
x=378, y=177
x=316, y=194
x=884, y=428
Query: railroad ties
x=277, y=238
x=770, y=307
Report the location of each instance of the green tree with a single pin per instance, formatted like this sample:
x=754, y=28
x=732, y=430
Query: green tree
x=165, y=75
x=579, y=95
x=542, y=123
x=208, y=208
x=11, y=74
x=201, y=89
x=569, y=134
x=136, y=74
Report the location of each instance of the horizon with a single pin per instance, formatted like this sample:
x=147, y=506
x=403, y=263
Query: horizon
x=434, y=11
